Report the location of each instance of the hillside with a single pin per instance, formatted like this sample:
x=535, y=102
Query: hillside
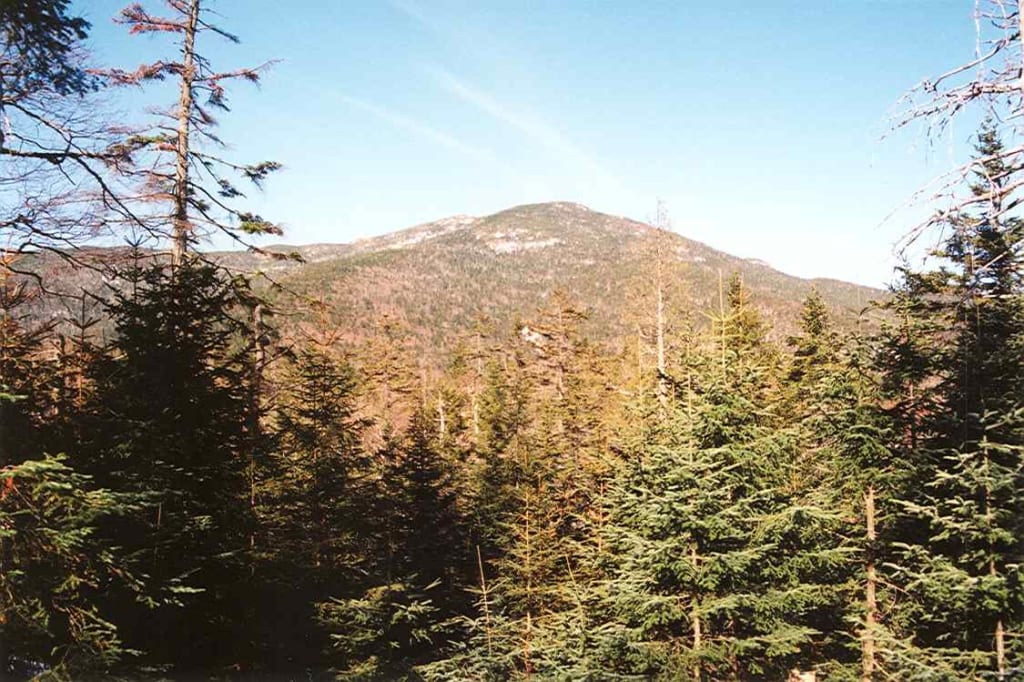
x=442, y=277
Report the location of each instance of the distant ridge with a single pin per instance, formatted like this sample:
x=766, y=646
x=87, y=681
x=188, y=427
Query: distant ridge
x=441, y=277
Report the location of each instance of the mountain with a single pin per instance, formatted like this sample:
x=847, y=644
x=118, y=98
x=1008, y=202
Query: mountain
x=441, y=278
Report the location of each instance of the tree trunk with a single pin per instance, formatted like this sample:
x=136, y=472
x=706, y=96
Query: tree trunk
x=180, y=222
x=722, y=319
x=662, y=374
x=258, y=361
x=486, y=604
x=695, y=624
x=442, y=421
x=1000, y=650
x=1020, y=34
x=1000, y=635
x=478, y=376
x=870, y=598
x=528, y=635
x=639, y=360
x=5, y=563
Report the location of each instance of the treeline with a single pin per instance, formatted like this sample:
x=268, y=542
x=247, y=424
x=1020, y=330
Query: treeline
x=215, y=492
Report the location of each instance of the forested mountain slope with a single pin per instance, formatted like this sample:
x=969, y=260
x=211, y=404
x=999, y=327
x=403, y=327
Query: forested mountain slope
x=443, y=277
x=440, y=280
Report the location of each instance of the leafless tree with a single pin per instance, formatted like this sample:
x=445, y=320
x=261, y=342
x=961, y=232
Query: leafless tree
x=56, y=156
x=178, y=156
x=988, y=86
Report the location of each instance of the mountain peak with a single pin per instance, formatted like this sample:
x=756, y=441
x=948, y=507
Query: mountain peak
x=564, y=206
x=442, y=277
x=547, y=212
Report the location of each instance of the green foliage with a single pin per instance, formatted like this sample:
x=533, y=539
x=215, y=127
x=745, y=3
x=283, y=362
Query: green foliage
x=313, y=506
x=55, y=569
x=525, y=514
x=23, y=379
x=955, y=371
x=316, y=499
x=544, y=506
x=374, y=633
x=40, y=39
x=168, y=420
x=402, y=609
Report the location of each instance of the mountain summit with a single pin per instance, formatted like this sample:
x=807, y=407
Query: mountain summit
x=442, y=277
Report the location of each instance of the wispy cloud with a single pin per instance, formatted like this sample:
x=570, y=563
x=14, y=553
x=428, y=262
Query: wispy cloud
x=421, y=129
x=414, y=11
x=528, y=123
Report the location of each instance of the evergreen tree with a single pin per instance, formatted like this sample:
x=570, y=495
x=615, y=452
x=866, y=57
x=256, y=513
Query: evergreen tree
x=503, y=422
x=314, y=521
x=40, y=38
x=404, y=610
x=56, y=573
x=720, y=567
x=168, y=421
x=842, y=469
x=22, y=373
x=961, y=540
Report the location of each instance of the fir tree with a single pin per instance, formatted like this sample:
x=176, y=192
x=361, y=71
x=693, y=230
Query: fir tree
x=720, y=567
x=168, y=421
x=22, y=374
x=57, y=573
x=404, y=609
x=842, y=469
x=315, y=514
x=961, y=543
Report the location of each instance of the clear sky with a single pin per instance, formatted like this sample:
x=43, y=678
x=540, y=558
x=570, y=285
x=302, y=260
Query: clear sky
x=758, y=122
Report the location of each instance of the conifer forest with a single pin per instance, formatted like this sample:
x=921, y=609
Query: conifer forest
x=217, y=472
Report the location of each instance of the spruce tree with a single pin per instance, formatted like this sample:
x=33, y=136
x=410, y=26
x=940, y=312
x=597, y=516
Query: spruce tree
x=842, y=470
x=723, y=562
x=57, y=571
x=961, y=547
x=314, y=520
x=168, y=421
x=403, y=611
x=503, y=420
x=22, y=373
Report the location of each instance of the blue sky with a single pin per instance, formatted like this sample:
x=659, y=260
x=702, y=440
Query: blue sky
x=759, y=123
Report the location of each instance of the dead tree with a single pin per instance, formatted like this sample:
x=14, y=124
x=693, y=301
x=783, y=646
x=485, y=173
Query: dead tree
x=991, y=85
x=179, y=154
